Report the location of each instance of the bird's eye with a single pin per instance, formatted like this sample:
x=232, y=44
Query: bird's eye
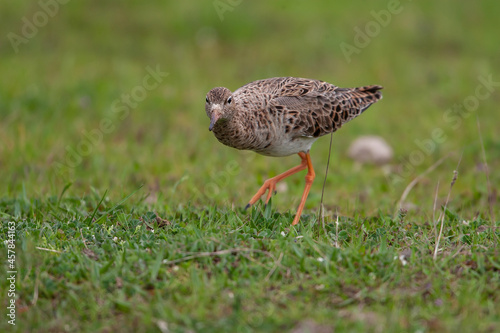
x=206, y=99
x=229, y=100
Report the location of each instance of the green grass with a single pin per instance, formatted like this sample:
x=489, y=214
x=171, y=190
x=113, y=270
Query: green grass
x=145, y=231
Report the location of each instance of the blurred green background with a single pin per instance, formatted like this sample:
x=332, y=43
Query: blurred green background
x=79, y=110
x=74, y=69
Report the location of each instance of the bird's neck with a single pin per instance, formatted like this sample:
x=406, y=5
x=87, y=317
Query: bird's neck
x=232, y=133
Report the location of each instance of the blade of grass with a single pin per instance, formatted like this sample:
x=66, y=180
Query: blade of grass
x=96, y=208
x=66, y=187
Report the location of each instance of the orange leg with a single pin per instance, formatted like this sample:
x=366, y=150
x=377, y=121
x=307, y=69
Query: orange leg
x=309, y=180
x=270, y=184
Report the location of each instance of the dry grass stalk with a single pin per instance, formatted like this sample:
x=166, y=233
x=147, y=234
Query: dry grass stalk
x=443, y=213
x=415, y=181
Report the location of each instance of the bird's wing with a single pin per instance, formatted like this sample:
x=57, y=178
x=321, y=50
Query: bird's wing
x=315, y=110
x=285, y=86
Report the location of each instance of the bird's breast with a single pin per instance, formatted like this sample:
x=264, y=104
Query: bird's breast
x=286, y=147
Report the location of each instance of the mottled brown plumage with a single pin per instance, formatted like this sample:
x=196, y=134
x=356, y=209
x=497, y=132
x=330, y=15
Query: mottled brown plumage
x=283, y=116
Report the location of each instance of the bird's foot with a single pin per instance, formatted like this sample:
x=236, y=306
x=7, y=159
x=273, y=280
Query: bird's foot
x=269, y=186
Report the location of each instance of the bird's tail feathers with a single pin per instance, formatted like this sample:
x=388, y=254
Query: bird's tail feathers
x=373, y=90
x=356, y=100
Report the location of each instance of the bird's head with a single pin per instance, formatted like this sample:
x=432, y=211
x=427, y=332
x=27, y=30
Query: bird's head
x=219, y=105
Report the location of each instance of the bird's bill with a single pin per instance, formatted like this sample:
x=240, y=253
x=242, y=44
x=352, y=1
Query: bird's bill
x=213, y=119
